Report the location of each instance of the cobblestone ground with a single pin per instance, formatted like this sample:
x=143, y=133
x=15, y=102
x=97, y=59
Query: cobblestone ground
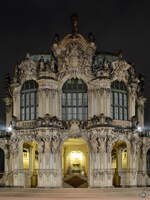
x=72, y=194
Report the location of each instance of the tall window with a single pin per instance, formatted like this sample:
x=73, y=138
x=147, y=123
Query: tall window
x=2, y=160
x=119, y=101
x=74, y=100
x=29, y=101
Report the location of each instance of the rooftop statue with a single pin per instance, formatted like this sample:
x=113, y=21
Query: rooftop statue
x=74, y=20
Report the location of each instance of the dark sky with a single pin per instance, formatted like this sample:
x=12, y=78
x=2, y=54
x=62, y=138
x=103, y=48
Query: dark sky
x=29, y=25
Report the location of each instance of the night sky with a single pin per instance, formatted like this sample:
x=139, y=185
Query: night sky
x=29, y=26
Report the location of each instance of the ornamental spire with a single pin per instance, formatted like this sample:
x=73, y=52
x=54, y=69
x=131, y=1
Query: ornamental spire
x=74, y=20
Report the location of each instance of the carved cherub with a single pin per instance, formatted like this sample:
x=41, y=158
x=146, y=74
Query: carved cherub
x=94, y=143
x=55, y=144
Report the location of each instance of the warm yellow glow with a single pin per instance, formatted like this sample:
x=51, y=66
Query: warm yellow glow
x=26, y=160
x=76, y=156
x=113, y=163
x=124, y=159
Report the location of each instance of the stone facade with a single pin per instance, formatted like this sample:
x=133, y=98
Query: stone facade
x=74, y=57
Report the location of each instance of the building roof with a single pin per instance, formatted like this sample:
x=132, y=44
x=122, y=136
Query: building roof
x=36, y=58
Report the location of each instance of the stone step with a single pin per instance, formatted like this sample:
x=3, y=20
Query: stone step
x=72, y=193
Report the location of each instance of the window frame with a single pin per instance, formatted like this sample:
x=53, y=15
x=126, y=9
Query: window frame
x=74, y=100
x=27, y=102
x=119, y=109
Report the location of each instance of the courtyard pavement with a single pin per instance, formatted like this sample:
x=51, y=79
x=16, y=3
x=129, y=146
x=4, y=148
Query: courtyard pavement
x=73, y=194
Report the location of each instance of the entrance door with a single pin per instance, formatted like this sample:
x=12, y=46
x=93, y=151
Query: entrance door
x=75, y=163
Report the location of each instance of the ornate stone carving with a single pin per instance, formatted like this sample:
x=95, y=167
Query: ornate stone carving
x=134, y=122
x=55, y=143
x=120, y=72
x=27, y=70
x=74, y=56
x=46, y=121
x=14, y=145
x=74, y=129
x=135, y=147
x=96, y=120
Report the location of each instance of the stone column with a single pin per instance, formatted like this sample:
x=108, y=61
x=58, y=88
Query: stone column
x=131, y=100
x=94, y=102
x=8, y=104
x=90, y=108
x=40, y=105
x=40, y=163
x=18, y=172
x=102, y=104
x=144, y=167
x=133, y=163
x=47, y=100
x=16, y=103
x=140, y=111
x=119, y=159
x=109, y=179
x=108, y=103
x=30, y=159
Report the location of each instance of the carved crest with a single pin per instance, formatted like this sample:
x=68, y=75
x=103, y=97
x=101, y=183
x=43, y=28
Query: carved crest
x=27, y=70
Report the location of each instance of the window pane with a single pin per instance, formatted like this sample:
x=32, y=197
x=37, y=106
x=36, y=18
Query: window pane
x=32, y=112
x=23, y=114
x=69, y=116
x=22, y=100
x=116, y=98
x=36, y=99
x=75, y=113
x=85, y=99
x=120, y=99
x=80, y=113
x=116, y=112
x=80, y=99
x=27, y=113
x=120, y=113
x=125, y=114
x=74, y=99
x=27, y=99
x=63, y=99
x=69, y=110
x=125, y=100
x=63, y=110
x=69, y=99
x=32, y=100
x=77, y=100
x=36, y=113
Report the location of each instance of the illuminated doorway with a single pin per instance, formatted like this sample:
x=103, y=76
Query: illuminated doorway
x=119, y=164
x=75, y=163
x=30, y=163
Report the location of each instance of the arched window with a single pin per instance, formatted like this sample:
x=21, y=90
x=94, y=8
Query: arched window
x=119, y=101
x=74, y=100
x=29, y=101
x=2, y=160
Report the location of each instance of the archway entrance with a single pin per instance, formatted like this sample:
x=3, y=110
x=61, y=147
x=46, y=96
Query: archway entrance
x=148, y=162
x=2, y=162
x=30, y=163
x=75, y=163
x=119, y=163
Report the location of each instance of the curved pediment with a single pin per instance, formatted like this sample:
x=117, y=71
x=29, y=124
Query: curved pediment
x=74, y=55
